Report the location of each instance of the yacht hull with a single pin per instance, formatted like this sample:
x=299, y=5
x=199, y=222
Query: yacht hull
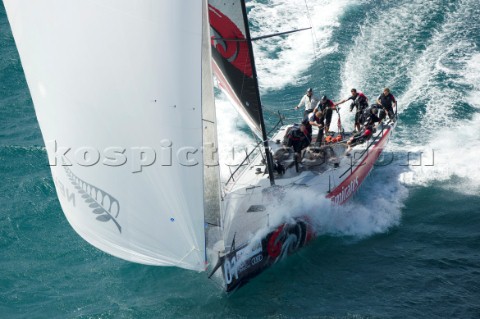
x=253, y=255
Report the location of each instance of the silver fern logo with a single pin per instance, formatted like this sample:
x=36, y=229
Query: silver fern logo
x=102, y=203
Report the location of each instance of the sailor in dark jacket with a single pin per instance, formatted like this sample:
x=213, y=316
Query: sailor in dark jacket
x=326, y=106
x=371, y=116
x=298, y=137
x=387, y=101
x=360, y=101
x=317, y=119
x=359, y=138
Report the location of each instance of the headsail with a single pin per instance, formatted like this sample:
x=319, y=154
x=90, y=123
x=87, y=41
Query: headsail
x=117, y=88
x=233, y=63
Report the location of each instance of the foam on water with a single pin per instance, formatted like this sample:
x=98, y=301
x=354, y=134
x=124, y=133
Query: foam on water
x=284, y=60
x=376, y=209
x=389, y=38
x=437, y=77
x=456, y=146
x=232, y=139
x=387, y=45
x=446, y=79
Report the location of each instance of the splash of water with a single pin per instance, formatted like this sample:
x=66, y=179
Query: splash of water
x=446, y=80
x=232, y=139
x=285, y=61
x=456, y=146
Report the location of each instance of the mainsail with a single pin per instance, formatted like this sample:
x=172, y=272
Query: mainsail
x=234, y=65
x=117, y=89
x=233, y=61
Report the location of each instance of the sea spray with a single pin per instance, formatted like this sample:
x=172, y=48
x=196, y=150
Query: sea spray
x=376, y=209
x=456, y=145
x=283, y=61
x=233, y=142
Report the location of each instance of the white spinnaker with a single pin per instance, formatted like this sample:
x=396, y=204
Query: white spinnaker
x=123, y=74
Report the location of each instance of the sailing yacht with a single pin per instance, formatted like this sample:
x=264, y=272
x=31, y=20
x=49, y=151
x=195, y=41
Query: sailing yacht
x=123, y=93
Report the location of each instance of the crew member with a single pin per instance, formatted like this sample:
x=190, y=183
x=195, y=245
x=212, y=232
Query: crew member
x=386, y=100
x=359, y=138
x=298, y=138
x=371, y=116
x=317, y=119
x=309, y=101
x=326, y=106
x=360, y=102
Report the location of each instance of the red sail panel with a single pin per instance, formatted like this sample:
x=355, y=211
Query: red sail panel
x=232, y=63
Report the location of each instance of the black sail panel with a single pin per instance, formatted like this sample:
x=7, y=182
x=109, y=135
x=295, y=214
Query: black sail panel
x=232, y=62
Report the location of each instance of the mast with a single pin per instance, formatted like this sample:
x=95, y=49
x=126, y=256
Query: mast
x=268, y=155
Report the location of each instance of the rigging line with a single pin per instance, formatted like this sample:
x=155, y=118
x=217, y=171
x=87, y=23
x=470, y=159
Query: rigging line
x=314, y=36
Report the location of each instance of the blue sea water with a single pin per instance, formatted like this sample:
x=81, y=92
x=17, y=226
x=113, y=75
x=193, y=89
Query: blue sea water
x=407, y=246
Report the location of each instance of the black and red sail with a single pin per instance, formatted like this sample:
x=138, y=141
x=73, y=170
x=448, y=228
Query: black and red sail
x=232, y=60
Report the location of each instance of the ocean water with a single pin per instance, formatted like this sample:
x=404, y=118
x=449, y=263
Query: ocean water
x=407, y=245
